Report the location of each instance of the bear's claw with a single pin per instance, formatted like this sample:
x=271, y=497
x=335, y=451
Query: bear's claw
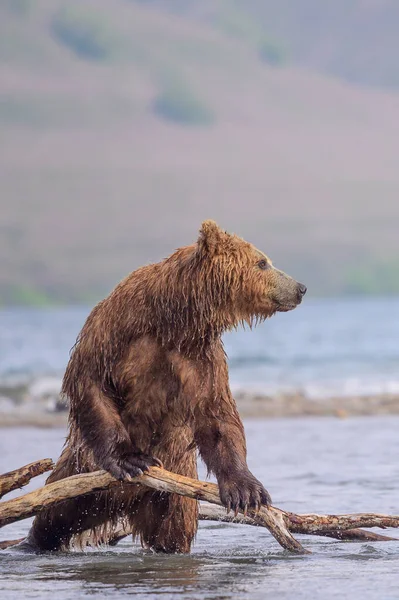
x=243, y=492
x=132, y=465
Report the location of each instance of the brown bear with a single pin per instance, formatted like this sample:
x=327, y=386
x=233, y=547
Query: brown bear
x=147, y=383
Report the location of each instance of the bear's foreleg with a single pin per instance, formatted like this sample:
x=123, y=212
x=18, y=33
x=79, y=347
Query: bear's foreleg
x=102, y=431
x=219, y=435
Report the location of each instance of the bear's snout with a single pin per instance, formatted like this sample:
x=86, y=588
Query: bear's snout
x=288, y=292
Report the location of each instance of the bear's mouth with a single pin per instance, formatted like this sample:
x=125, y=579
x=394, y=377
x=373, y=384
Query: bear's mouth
x=288, y=306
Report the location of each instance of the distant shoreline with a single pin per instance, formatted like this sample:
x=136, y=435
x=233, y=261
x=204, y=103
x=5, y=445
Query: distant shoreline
x=300, y=405
x=250, y=405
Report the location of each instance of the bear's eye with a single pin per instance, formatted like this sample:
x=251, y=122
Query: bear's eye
x=263, y=264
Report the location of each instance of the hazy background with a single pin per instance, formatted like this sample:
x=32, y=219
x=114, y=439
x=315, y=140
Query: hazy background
x=125, y=123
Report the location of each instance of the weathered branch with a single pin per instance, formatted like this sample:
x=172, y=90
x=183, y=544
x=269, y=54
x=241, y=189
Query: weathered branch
x=20, y=477
x=281, y=524
x=49, y=495
x=313, y=523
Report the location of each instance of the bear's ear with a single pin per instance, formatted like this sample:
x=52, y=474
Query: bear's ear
x=211, y=238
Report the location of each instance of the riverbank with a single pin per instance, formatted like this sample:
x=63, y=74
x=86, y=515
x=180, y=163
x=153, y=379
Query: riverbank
x=38, y=404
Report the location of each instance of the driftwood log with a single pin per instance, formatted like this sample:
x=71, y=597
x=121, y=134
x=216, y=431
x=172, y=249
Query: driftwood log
x=281, y=524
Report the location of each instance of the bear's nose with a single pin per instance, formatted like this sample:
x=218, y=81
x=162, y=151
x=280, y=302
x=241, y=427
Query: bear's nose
x=302, y=289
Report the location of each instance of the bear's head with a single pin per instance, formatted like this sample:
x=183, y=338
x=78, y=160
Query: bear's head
x=241, y=279
x=190, y=298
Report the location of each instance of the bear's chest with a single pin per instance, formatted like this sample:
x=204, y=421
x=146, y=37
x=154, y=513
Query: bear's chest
x=160, y=384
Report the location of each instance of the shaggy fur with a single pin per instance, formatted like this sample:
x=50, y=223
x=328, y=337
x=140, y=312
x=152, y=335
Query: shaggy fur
x=147, y=383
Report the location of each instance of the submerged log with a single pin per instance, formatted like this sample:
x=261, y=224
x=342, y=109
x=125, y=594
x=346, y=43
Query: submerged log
x=9, y=543
x=210, y=512
x=281, y=524
x=216, y=513
x=20, y=477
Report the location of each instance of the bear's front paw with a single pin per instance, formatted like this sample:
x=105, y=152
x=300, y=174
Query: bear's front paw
x=130, y=465
x=243, y=492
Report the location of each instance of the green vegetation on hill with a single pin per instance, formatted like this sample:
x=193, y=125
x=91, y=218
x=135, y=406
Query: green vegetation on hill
x=86, y=33
x=177, y=103
x=124, y=124
x=374, y=278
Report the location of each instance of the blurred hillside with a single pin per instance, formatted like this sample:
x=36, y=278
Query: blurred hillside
x=356, y=40
x=125, y=123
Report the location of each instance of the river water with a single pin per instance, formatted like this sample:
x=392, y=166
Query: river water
x=323, y=348
x=309, y=465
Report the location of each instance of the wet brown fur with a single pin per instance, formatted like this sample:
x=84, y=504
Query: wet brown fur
x=148, y=378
